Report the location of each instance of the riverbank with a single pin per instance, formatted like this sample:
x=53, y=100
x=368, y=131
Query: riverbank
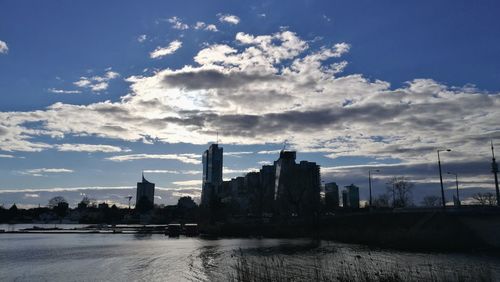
x=419, y=230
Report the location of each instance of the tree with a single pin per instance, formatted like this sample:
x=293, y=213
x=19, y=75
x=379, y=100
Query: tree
x=54, y=202
x=401, y=190
x=485, y=199
x=431, y=201
x=84, y=203
x=186, y=202
x=59, y=205
x=382, y=201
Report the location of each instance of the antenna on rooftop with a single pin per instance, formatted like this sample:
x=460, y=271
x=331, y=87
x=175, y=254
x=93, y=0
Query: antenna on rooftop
x=129, y=197
x=284, y=145
x=217, y=137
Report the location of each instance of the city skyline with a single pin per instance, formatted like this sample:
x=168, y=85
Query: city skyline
x=90, y=105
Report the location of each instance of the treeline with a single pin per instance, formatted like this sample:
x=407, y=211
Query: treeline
x=91, y=212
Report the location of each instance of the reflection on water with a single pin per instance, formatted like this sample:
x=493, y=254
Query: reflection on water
x=154, y=257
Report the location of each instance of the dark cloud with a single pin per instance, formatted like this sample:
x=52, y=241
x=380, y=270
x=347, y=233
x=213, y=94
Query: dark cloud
x=209, y=79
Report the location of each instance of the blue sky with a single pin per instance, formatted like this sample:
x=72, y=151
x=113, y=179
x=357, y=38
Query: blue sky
x=87, y=103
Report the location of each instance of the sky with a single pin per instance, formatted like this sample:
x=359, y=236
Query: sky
x=92, y=93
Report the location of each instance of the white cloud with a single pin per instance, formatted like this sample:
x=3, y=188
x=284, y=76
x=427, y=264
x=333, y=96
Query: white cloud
x=204, y=26
x=227, y=170
x=89, y=148
x=227, y=18
x=45, y=171
x=141, y=38
x=190, y=172
x=264, y=89
x=61, y=91
x=97, y=83
x=185, y=158
x=177, y=23
x=270, y=152
x=188, y=183
x=237, y=154
x=31, y=195
x=6, y=156
x=164, y=51
x=4, y=49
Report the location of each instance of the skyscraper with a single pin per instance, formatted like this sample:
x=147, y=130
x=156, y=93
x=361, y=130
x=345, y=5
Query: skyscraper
x=297, y=186
x=212, y=173
x=331, y=196
x=145, y=193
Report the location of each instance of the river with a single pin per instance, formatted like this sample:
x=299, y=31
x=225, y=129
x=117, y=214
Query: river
x=155, y=257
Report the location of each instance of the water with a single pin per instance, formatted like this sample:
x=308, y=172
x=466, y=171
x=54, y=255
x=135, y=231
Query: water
x=128, y=257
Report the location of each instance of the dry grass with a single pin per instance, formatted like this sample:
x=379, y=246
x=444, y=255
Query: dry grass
x=283, y=268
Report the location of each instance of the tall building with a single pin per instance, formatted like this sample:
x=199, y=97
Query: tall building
x=331, y=196
x=345, y=199
x=353, y=196
x=212, y=174
x=145, y=193
x=297, y=186
x=267, y=181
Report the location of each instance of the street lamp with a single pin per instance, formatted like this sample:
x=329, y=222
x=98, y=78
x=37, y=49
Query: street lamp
x=370, y=183
x=441, y=175
x=456, y=181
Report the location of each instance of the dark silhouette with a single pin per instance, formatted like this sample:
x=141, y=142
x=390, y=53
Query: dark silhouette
x=145, y=195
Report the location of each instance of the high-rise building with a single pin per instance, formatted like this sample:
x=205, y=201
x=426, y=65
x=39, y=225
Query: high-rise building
x=267, y=181
x=353, y=192
x=145, y=193
x=345, y=199
x=297, y=186
x=212, y=174
x=331, y=196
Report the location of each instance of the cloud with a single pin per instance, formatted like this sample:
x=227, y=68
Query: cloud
x=237, y=154
x=185, y=158
x=141, y=38
x=188, y=183
x=177, y=23
x=267, y=88
x=160, y=52
x=204, y=26
x=4, y=49
x=269, y=152
x=97, y=83
x=45, y=171
x=111, y=195
x=61, y=91
x=227, y=170
x=227, y=18
x=190, y=172
x=89, y=148
x=6, y=156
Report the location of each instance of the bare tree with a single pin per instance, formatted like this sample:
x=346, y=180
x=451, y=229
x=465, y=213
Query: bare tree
x=55, y=201
x=382, y=201
x=485, y=199
x=431, y=201
x=401, y=191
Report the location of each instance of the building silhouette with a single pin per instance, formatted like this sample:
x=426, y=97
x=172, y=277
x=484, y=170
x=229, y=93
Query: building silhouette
x=297, y=186
x=350, y=197
x=332, y=200
x=212, y=174
x=145, y=194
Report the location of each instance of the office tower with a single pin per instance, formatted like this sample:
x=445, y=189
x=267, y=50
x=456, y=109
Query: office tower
x=331, y=196
x=145, y=193
x=212, y=174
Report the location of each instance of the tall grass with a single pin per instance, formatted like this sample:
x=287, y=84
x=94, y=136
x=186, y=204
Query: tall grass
x=248, y=268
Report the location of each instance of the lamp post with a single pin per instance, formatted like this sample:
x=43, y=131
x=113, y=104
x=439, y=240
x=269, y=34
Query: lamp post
x=441, y=176
x=456, y=181
x=370, y=183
